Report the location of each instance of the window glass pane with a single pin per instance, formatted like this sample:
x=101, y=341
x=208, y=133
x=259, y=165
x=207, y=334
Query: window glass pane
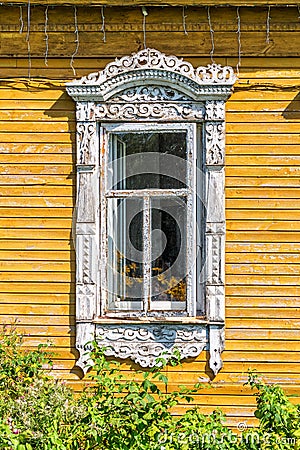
x=148, y=160
x=169, y=253
x=125, y=253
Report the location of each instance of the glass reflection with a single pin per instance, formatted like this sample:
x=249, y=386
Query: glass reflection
x=169, y=253
x=125, y=253
x=148, y=160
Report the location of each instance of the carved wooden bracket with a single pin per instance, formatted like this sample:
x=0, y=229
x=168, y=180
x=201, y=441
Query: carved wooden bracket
x=144, y=343
x=150, y=87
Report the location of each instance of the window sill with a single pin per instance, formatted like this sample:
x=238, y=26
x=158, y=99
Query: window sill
x=150, y=320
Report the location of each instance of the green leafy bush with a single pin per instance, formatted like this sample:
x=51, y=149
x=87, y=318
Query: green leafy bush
x=279, y=419
x=40, y=413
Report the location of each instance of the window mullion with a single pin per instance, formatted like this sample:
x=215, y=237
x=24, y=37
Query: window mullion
x=147, y=252
x=103, y=225
x=192, y=223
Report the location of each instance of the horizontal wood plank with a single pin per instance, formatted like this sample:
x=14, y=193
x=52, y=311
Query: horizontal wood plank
x=270, y=225
x=158, y=2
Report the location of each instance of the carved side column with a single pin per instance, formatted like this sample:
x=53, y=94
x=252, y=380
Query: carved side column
x=214, y=141
x=87, y=283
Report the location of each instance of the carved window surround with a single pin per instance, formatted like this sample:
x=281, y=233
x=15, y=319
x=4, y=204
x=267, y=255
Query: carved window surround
x=150, y=87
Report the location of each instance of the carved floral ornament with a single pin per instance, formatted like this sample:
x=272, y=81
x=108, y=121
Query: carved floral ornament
x=149, y=65
x=150, y=87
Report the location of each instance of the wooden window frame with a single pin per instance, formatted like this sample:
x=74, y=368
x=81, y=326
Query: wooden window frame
x=143, y=91
x=189, y=193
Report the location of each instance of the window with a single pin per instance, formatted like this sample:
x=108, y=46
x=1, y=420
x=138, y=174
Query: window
x=150, y=222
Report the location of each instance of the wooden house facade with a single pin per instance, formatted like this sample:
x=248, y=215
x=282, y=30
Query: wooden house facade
x=45, y=47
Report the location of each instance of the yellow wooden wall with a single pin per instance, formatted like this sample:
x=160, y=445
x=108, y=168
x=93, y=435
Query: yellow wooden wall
x=37, y=153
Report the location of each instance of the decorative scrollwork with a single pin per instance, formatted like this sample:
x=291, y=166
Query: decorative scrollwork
x=155, y=111
x=150, y=94
x=145, y=59
x=215, y=110
x=215, y=143
x=85, y=133
x=150, y=58
x=150, y=67
x=215, y=74
x=144, y=343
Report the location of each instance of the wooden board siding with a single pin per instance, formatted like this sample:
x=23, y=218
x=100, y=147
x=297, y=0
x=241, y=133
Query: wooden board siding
x=124, y=34
x=37, y=186
x=164, y=3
